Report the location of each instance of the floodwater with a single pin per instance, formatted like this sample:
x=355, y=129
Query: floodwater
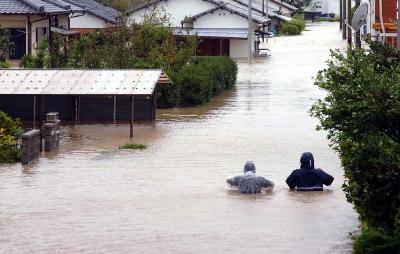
x=90, y=197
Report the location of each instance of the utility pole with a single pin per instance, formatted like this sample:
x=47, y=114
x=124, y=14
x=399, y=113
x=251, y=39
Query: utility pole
x=340, y=14
x=349, y=17
x=358, y=33
x=250, y=55
x=344, y=20
x=398, y=24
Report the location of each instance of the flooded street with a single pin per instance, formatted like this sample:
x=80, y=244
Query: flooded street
x=90, y=197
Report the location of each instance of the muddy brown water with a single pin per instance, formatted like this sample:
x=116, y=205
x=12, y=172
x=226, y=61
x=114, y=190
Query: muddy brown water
x=90, y=197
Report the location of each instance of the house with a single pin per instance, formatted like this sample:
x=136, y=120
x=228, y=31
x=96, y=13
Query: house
x=29, y=21
x=221, y=25
x=384, y=28
x=97, y=16
x=278, y=11
x=324, y=8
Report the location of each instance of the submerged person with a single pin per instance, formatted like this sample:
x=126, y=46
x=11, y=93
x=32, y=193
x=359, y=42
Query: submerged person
x=250, y=183
x=308, y=178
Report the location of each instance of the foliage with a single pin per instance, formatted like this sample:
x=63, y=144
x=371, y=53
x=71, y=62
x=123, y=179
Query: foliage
x=121, y=5
x=329, y=19
x=295, y=26
x=10, y=132
x=361, y=114
x=41, y=59
x=6, y=46
x=300, y=4
x=131, y=146
x=5, y=64
x=200, y=80
x=376, y=241
x=289, y=29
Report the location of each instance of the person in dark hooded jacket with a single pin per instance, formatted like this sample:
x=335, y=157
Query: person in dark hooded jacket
x=250, y=183
x=308, y=178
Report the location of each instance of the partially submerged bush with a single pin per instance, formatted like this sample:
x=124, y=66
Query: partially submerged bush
x=10, y=132
x=361, y=114
x=204, y=78
x=131, y=146
x=289, y=29
x=294, y=27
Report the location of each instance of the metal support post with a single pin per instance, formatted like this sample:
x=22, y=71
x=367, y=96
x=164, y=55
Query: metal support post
x=349, y=30
x=344, y=20
x=358, y=33
x=131, y=120
x=250, y=55
x=398, y=24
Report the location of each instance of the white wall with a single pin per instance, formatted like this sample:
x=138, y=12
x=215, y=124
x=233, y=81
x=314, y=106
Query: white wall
x=275, y=7
x=327, y=6
x=238, y=48
x=176, y=8
x=221, y=19
x=87, y=21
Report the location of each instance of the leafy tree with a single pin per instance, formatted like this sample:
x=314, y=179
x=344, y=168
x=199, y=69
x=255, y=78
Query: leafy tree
x=361, y=114
x=300, y=4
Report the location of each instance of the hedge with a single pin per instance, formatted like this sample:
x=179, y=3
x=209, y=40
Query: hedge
x=294, y=27
x=199, y=81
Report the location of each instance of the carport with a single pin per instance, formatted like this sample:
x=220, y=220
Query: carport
x=81, y=95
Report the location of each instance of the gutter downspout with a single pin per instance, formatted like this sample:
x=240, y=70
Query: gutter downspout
x=381, y=20
x=398, y=24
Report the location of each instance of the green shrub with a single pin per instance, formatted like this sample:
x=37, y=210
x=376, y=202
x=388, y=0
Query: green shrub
x=376, y=241
x=203, y=78
x=41, y=59
x=290, y=29
x=131, y=146
x=299, y=21
x=361, y=113
x=10, y=132
x=5, y=64
x=293, y=27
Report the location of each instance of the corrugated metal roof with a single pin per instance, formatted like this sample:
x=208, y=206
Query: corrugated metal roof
x=81, y=82
x=229, y=33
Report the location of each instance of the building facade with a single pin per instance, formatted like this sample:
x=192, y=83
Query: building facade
x=221, y=25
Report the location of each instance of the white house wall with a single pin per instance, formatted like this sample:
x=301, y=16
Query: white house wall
x=221, y=19
x=326, y=7
x=238, y=48
x=177, y=9
x=87, y=21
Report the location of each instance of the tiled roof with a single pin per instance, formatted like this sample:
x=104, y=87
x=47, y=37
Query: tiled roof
x=35, y=7
x=104, y=12
x=230, y=5
x=240, y=10
x=58, y=6
x=15, y=7
x=257, y=6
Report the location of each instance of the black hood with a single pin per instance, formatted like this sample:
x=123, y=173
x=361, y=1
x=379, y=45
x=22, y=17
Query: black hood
x=307, y=160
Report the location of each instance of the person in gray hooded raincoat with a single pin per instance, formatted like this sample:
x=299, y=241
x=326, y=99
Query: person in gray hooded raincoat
x=250, y=183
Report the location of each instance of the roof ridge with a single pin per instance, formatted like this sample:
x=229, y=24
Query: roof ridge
x=35, y=6
x=66, y=7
